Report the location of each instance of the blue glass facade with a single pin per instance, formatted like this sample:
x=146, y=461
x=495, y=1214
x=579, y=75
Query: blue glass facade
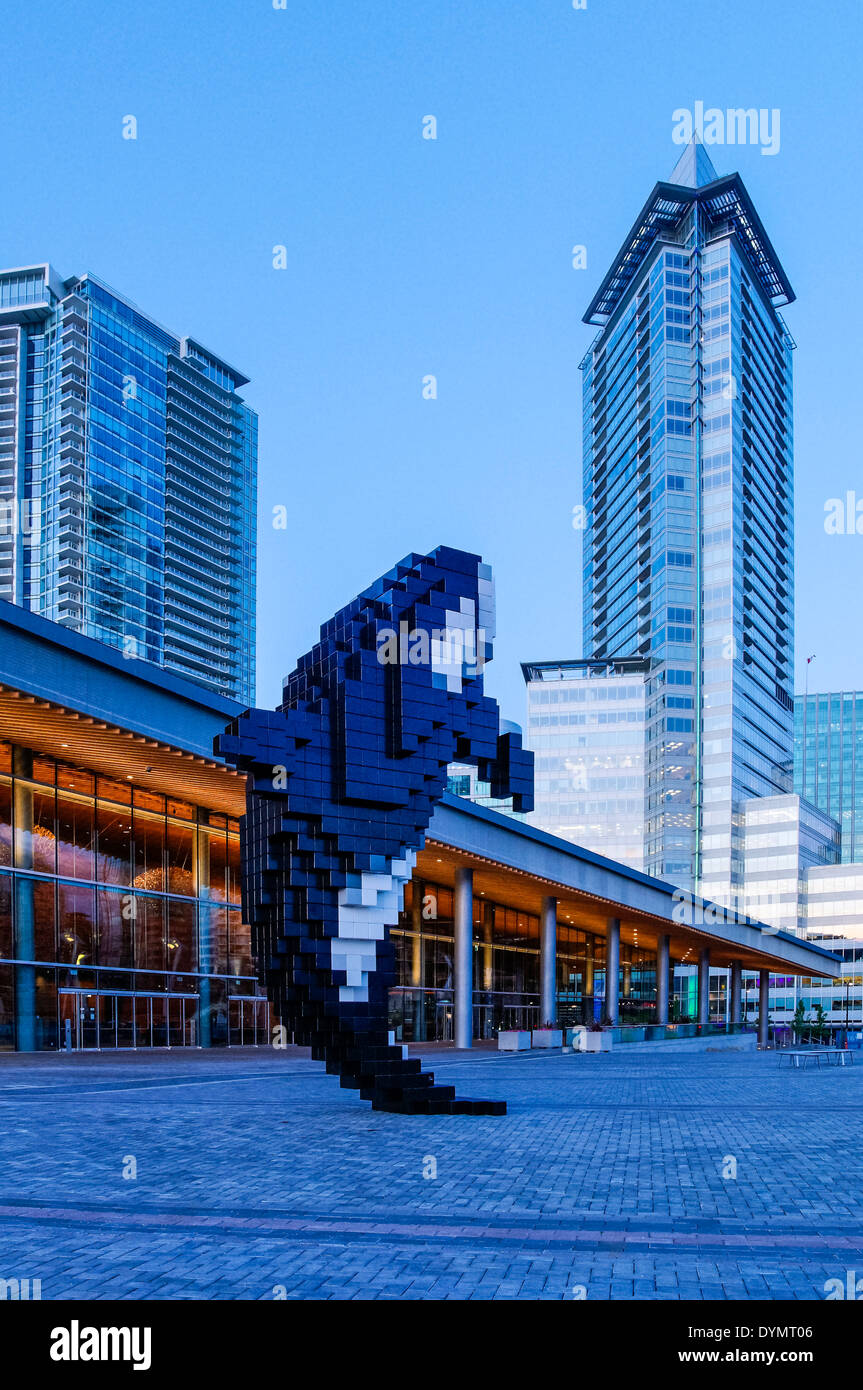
x=129, y=460
x=828, y=761
x=688, y=483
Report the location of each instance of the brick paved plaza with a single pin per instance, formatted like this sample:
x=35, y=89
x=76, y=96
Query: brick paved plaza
x=257, y=1177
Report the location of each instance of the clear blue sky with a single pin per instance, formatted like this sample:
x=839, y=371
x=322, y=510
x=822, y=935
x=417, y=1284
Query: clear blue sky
x=302, y=127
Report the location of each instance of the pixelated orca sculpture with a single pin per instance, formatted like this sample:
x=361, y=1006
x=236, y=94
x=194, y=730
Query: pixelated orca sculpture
x=342, y=781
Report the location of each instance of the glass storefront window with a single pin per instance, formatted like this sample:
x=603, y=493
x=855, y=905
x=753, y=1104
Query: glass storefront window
x=76, y=921
x=43, y=840
x=46, y=1009
x=5, y=916
x=7, y=1010
x=150, y=933
x=115, y=915
x=181, y=858
x=5, y=822
x=149, y=839
x=438, y=962
x=239, y=946
x=113, y=844
x=234, y=869
x=218, y=862
x=213, y=956
x=129, y=959
x=214, y=1015
x=182, y=945
x=75, y=837
x=34, y=836
x=34, y=934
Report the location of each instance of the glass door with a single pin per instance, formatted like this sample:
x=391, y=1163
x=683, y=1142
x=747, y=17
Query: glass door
x=143, y=1021
x=190, y=1022
x=88, y=1022
x=107, y=1020
x=176, y=1028
x=125, y=1020
x=68, y=1020
x=159, y=1008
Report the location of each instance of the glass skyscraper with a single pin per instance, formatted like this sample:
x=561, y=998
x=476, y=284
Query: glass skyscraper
x=128, y=475
x=688, y=483
x=828, y=761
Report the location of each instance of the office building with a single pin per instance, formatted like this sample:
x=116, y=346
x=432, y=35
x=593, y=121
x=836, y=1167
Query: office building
x=784, y=839
x=828, y=761
x=688, y=489
x=832, y=910
x=128, y=465
x=586, y=726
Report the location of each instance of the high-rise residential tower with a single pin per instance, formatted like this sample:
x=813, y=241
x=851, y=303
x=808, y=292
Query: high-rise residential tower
x=128, y=473
x=688, y=480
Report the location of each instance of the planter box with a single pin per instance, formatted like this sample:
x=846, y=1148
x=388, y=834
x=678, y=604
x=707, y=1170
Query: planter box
x=547, y=1037
x=581, y=1040
x=513, y=1041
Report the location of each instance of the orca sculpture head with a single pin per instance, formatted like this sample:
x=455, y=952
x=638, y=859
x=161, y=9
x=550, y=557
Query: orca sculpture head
x=342, y=781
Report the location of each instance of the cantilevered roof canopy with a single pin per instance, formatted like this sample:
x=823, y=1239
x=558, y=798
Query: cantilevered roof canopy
x=519, y=865
x=82, y=702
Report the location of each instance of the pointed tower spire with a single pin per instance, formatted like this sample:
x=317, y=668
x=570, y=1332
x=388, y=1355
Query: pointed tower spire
x=694, y=168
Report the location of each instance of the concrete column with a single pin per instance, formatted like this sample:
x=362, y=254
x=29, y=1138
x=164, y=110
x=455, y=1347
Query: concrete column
x=587, y=988
x=763, y=1005
x=626, y=982
x=704, y=985
x=24, y=941
x=418, y=889
x=548, y=961
x=417, y=894
x=736, y=992
x=662, y=967
x=205, y=944
x=488, y=946
x=612, y=969
x=463, y=957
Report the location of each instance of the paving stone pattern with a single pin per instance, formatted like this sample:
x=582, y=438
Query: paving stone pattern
x=258, y=1177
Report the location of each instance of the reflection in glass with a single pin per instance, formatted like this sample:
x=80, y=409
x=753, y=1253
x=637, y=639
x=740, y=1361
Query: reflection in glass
x=149, y=927
x=181, y=858
x=76, y=922
x=116, y=912
x=75, y=837
x=149, y=852
x=114, y=844
x=181, y=936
